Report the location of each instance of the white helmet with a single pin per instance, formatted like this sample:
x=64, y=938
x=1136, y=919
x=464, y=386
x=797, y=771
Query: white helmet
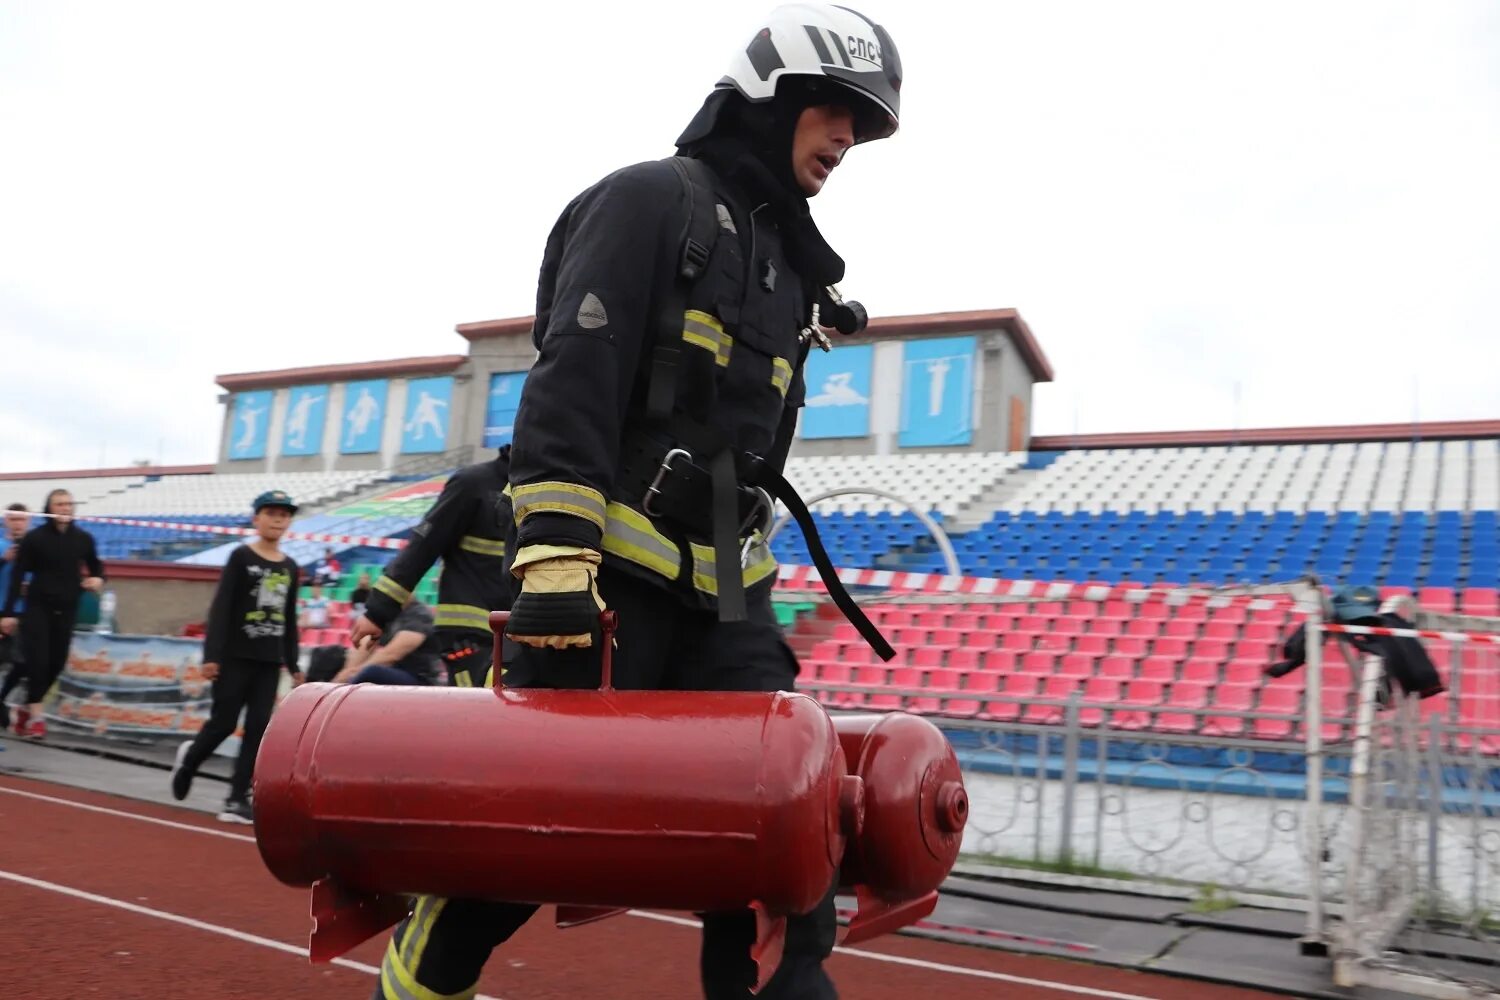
x=822, y=40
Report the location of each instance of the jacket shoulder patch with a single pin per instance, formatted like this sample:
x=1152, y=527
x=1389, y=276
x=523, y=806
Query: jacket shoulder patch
x=591, y=314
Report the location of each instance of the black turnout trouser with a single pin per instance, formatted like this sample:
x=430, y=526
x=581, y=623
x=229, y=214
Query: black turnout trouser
x=466, y=656
x=245, y=686
x=46, y=636
x=442, y=946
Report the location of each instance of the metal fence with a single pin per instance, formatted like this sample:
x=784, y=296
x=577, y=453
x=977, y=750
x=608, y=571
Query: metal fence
x=1087, y=795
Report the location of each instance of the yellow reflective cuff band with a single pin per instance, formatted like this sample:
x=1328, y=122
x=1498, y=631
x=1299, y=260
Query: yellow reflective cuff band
x=390, y=588
x=781, y=375
x=482, y=546
x=559, y=498
x=703, y=330
x=461, y=616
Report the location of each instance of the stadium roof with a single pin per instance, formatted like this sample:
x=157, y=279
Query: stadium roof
x=883, y=328
x=431, y=365
x=1347, y=433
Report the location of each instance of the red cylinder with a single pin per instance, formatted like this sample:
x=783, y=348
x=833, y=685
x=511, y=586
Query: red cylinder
x=915, y=805
x=677, y=800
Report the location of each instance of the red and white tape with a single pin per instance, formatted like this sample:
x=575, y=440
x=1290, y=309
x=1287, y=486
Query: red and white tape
x=1483, y=638
x=222, y=529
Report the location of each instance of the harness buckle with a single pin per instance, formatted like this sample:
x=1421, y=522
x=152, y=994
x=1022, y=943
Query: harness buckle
x=758, y=522
x=654, y=490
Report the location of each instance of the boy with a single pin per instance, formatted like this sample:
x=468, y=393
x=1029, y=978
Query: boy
x=251, y=635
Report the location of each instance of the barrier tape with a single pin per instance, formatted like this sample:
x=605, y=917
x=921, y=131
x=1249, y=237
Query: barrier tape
x=1483, y=638
x=1269, y=596
x=223, y=529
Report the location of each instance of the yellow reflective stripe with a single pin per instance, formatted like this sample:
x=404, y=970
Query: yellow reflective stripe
x=483, y=546
x=630, y=535
x=463, y=680
x=398, y=983
x=559, y=498
x=413, y=919
x=461, y=616
x=704, y=330
x=781, y=375
x=711, y=346
x=758, y=565
x=390, y=588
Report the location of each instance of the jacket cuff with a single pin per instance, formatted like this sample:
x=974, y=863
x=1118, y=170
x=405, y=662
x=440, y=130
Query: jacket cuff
x=560, y=529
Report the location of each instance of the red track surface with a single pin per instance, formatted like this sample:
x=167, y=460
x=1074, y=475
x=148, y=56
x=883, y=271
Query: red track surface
x=94, y=904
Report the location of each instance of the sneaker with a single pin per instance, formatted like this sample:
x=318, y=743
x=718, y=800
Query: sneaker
x=237, y=811
x=182, y=779
x=23, y=716
x=37, y=730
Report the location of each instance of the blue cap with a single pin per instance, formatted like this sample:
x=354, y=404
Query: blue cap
x=274, y=498
x=1352, y=603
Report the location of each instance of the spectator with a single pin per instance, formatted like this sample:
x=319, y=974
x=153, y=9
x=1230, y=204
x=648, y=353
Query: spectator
x=16, y=523
x=329, y=570
x=406, y=652
x=52, y=554
x=361, y=595
x=314, y=609
x=252, y=634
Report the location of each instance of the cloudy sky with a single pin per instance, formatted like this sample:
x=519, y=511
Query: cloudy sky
x=1290, y=204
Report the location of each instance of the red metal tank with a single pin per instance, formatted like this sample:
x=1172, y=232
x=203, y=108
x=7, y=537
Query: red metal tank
x=678, y=800
x=914, y=816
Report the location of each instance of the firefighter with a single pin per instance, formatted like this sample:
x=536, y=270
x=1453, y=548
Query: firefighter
x=467, y=528
x=676, y=305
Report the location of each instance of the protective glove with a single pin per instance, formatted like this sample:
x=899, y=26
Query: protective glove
x=559, y=603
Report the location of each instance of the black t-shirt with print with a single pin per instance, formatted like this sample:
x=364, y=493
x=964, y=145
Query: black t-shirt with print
x=254, y=613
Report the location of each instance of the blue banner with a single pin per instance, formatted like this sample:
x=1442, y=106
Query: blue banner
x=364, y=417
x=302, y=430
x=500, y=412
x=937, y=392
x=249, y=421
x=838, y=392
x=425, y=428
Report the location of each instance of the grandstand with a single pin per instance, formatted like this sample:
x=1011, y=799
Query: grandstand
x=932, y=411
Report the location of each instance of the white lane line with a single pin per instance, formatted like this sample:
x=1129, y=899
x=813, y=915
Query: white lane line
x=660, y=917
x=128, y=815
x=201, y=925
x=958, y=970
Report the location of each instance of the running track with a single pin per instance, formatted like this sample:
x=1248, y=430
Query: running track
x=116, y=898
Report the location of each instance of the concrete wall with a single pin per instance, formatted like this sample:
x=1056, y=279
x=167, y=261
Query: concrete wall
x=1003, y=388
x=160, y=607
x=461, y=417
x=488, y=357
x=1000, y=376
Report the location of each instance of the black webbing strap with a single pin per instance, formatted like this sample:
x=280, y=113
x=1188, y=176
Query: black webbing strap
x=727, y=568
x=694, y=243
x=776, y=485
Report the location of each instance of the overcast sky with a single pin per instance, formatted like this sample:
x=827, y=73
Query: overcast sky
x=1300, y=199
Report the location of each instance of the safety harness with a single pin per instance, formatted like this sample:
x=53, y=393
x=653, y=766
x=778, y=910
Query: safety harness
x=686, y=472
